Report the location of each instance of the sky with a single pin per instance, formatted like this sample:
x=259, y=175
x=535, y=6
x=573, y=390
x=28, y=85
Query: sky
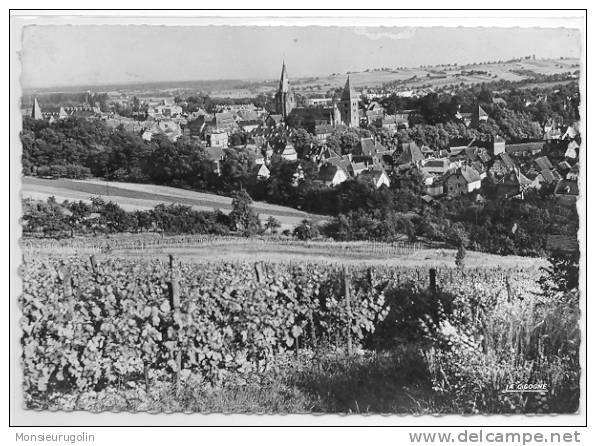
x=69, y=55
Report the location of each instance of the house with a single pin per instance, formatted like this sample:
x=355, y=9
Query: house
x=464, y=117
x=298, y=175
x=249, y=126
x=564, y=167
x=274, y=120
x=543, y=163
x=473, y=154
x=410, y=154
x=571, y=152
x=375, y=177
x=344, y=163
x=497, y=146
x=327, y=153
x=571, y=132
x=357, y=167
x=309, y=117
x=224, y=121
x=289, y=153
x=388, y=123
x=216, y=155
x=332, y=175
x=436, y=188
x=545, y=176
x=436, y=166
x=551, y=130
x=261, y=172
x=478, y=116
x=573, y=173
x=513, y=184
x=402, y=119
x=426, y=178
x=373, y=114
x=369, y=147
x=323, y=131
x=502, y=165
x=462, y=181
x=217, y=139
x=525, y=149
x=567, y=191
x=480, y=168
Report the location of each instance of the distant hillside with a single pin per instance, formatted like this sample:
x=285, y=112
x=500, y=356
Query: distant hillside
x=408, y=77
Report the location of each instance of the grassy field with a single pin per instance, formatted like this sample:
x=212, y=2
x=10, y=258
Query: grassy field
x=133, y=196
x=210, y=249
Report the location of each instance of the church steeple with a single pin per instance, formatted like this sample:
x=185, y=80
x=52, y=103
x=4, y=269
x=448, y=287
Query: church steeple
x=284, y=82
x=348, y=94
x=36, y=111
x=284, y=98
x=348, y=106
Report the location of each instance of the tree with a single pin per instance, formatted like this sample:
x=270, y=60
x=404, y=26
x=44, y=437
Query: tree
x=79, y=212
x=306, y=230
x=48, y=217
x=272, y=224
x=245, y=219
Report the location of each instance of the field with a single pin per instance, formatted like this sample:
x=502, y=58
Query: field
x=203, y=248
x=337, y=328
x=133, y=196
x=410, y=78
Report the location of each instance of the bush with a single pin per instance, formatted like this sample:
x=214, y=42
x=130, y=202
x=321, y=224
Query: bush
x=306, y=230
x=74, y=171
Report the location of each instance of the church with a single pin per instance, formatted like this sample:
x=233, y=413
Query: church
x=342, y=112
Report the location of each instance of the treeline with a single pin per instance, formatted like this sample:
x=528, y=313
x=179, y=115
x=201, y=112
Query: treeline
x=507, y=227
x=54, y=100
x=499, y=226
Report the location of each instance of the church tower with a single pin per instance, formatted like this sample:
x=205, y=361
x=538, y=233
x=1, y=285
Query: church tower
x=284, y=98
x=36, y=112
x=348, y=106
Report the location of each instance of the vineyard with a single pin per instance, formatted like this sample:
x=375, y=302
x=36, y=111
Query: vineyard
x=144, y=242
x=102, y=330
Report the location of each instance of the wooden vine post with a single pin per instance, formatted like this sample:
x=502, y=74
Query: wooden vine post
x=66, y=278
x=347, y=292
x=94, y=265
x=175, y=303
x=432, y=275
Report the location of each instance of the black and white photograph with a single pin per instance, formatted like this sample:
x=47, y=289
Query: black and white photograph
x=294, y=218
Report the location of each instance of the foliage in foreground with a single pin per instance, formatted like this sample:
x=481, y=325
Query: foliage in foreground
x=453, y=348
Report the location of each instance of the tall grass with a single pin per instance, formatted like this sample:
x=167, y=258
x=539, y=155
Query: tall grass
x=528, y=341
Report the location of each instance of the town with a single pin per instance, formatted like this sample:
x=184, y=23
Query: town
x=305, y=151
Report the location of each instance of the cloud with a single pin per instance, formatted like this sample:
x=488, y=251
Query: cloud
x=389, y=33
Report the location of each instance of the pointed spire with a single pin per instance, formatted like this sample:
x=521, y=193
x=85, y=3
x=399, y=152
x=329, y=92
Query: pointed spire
x=284, y=82
x=36, y=112
x=348, y=92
